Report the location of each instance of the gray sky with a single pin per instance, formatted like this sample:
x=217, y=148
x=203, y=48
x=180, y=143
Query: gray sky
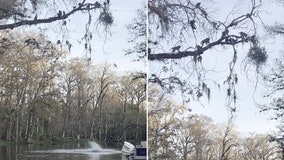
x=248, y=118
x=106, y=49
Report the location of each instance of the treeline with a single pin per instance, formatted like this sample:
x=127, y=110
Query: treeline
x=44, y=96
x=177, y=134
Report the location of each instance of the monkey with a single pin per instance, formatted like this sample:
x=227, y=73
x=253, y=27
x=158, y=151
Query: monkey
x=199, y=50
x=59, y=14
x=205, y=41
x=149, y=50
x=58, y=42
x=230, y=40
x=215, y=25
x=192, y=24
x=197, y=5
x=176, y=48
x=97, y=4
x=243, y=35
x=253, y=39
x=198, y=47
x=64, y=13
x=225, y=33
x=199, y=58
x=195, y=59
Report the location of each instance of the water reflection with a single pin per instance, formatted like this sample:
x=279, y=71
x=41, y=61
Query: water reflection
x=69, y=151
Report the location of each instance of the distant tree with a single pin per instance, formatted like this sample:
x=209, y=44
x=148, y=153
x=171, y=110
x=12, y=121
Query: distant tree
x=274, y=81
x=162, y=124
x=258, y=147
x=228, y=141
x=138, y=31
x=194, y=136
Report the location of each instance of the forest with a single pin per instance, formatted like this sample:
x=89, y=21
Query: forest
x=45, y=96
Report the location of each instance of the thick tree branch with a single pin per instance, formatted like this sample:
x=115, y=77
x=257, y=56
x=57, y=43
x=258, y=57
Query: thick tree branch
x=62, y=16
x=223, y=40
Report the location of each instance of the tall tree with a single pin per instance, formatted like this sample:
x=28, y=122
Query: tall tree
x=274, y=82
x=28, y=65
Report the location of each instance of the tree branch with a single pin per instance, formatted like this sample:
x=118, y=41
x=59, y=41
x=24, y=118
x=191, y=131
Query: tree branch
x=81, y=7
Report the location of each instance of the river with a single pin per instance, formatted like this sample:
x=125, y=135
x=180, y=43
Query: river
x=66, y=151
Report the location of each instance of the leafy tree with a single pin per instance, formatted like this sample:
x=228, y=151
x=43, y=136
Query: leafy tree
x=28, y=67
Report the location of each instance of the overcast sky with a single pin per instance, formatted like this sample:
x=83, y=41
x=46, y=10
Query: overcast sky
x=105, y=48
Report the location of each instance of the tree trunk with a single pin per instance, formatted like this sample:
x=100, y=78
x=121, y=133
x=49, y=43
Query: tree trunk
x=123, y=119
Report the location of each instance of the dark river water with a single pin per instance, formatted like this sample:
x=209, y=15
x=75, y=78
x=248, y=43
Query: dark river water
x=66, y=151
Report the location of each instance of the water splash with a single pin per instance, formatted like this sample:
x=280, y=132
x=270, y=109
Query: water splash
x=94, y=150
x=95, y=146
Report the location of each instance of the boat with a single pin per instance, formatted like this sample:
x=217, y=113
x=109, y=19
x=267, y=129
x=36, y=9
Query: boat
x=134, y=152
x=128, y=149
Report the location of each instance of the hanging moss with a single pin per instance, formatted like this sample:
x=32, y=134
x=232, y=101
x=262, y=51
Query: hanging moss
x=257, y=55
x=106, y=18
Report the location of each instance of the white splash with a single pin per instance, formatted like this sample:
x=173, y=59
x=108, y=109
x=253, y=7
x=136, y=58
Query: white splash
x=95, y=147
